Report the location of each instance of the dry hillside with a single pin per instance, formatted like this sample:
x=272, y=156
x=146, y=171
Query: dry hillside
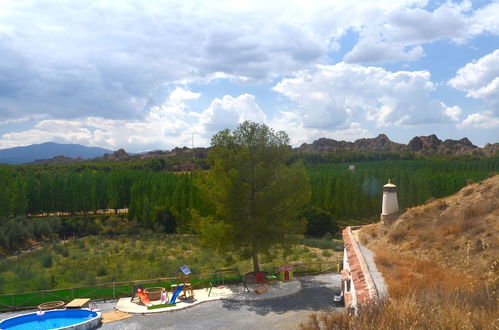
x=460, y=231
x=440, y=263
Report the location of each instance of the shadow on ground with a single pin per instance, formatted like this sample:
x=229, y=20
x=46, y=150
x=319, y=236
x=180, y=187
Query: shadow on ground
x=316, y=295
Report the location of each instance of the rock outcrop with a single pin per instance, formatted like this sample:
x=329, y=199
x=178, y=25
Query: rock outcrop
x=420, y=145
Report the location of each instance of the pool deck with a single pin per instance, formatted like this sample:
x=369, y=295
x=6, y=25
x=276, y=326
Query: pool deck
x=232, y=292
x=228, y=292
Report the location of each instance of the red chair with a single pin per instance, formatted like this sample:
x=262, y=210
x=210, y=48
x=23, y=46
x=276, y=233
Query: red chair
x=260, y=278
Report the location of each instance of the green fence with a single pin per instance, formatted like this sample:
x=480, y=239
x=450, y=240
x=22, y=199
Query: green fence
x=30, y=300
x=16, y=301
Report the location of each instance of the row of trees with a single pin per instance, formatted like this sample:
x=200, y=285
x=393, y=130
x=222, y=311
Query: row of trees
x=157, y=196
x=349, y=194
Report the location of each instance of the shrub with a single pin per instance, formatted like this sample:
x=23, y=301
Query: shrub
x=102, y=270
x=319, y=222
x=47, y=261
x=397, y=236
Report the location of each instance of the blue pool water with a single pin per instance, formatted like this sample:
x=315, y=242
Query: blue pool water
x=49, y=320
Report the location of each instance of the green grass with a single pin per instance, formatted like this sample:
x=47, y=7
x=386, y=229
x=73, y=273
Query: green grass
x=96, y=260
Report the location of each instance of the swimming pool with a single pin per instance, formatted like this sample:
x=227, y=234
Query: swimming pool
x=77, y=319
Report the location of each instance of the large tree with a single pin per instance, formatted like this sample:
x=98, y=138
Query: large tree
x=254, y=193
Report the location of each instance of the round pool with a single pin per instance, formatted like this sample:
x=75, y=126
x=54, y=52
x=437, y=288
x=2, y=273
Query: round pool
x=57, y=319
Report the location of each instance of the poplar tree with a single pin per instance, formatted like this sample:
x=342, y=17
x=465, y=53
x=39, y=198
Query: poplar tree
x=253, y=193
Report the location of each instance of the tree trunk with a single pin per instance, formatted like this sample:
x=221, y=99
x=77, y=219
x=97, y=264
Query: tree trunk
x=256, y=267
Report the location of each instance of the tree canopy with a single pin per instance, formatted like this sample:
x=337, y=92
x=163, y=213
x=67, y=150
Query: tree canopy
x=253, y=193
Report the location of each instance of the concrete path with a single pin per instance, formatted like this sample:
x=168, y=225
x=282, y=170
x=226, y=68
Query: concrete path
x=282, y=313
x=379, y=281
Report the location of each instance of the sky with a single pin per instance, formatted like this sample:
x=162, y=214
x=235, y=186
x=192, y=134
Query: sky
x=148, y=75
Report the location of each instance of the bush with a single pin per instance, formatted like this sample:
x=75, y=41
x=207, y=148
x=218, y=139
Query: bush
x=102, y=270
x=47, y=261
x=319, y=222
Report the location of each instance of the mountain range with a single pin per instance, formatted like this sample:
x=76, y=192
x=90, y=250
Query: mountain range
x=47, y=150
x=54, y=153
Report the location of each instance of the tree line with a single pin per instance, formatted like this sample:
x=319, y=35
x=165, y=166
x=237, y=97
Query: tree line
x=156, y=198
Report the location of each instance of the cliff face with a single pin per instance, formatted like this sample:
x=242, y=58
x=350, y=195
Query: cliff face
x=420, y=144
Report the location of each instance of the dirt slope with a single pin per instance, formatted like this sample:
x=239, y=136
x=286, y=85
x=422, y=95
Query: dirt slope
x=460, y=231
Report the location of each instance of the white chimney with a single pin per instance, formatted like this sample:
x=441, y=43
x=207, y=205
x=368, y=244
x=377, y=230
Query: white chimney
x=390, y=203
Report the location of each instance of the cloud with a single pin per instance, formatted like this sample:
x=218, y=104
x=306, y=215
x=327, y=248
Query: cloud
x=333, y=96
x=484, y=20
x=228, y=112
x=111, y=59
x=292, y=124
x=108, y=59
x=486, y=119
x=480, y=79
x=397, y=35
x=164, y=127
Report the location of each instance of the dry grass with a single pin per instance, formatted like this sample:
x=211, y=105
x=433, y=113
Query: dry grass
x=423, y=295
x=463, y=309
x=451, y=230
x=440, y=262
x=407, y=275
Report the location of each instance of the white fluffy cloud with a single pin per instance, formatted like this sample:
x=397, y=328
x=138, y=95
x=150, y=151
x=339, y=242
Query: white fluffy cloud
x=111, y=58
x=102, y=68
x=486, y=119
x=164, y=127
x=334, y=96
x=480, y=79
x=228, y=112
x=397, y=35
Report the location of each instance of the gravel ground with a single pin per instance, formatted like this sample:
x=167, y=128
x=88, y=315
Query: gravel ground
x=282, y=313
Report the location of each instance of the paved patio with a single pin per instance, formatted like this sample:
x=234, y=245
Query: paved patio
x=230, y=292
x=268, y=311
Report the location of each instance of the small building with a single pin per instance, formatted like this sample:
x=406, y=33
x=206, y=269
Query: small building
x=286, y=273
x=186, y=167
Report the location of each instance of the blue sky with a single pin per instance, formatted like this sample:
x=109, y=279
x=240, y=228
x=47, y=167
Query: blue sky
x=151, y=75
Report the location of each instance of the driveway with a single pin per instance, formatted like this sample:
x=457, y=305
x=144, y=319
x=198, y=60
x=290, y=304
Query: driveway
x=282, y=313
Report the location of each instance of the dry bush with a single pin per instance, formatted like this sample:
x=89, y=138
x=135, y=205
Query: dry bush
x=452, y=229
x=368, y=233
x=478, y=210
x=425, y=309
x=465, y=224
x=329, y=320
x=468, y=191
x=397, y=236
x=442, y=205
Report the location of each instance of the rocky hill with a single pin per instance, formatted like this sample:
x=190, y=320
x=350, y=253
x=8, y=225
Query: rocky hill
x=423, y=145
x=460, y=231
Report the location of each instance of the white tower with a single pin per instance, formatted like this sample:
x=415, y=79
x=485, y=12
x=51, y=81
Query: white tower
x=390, y=203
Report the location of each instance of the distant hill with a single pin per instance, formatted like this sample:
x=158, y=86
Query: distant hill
x=27, y=154
x=54, y=153
x=423, y=145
